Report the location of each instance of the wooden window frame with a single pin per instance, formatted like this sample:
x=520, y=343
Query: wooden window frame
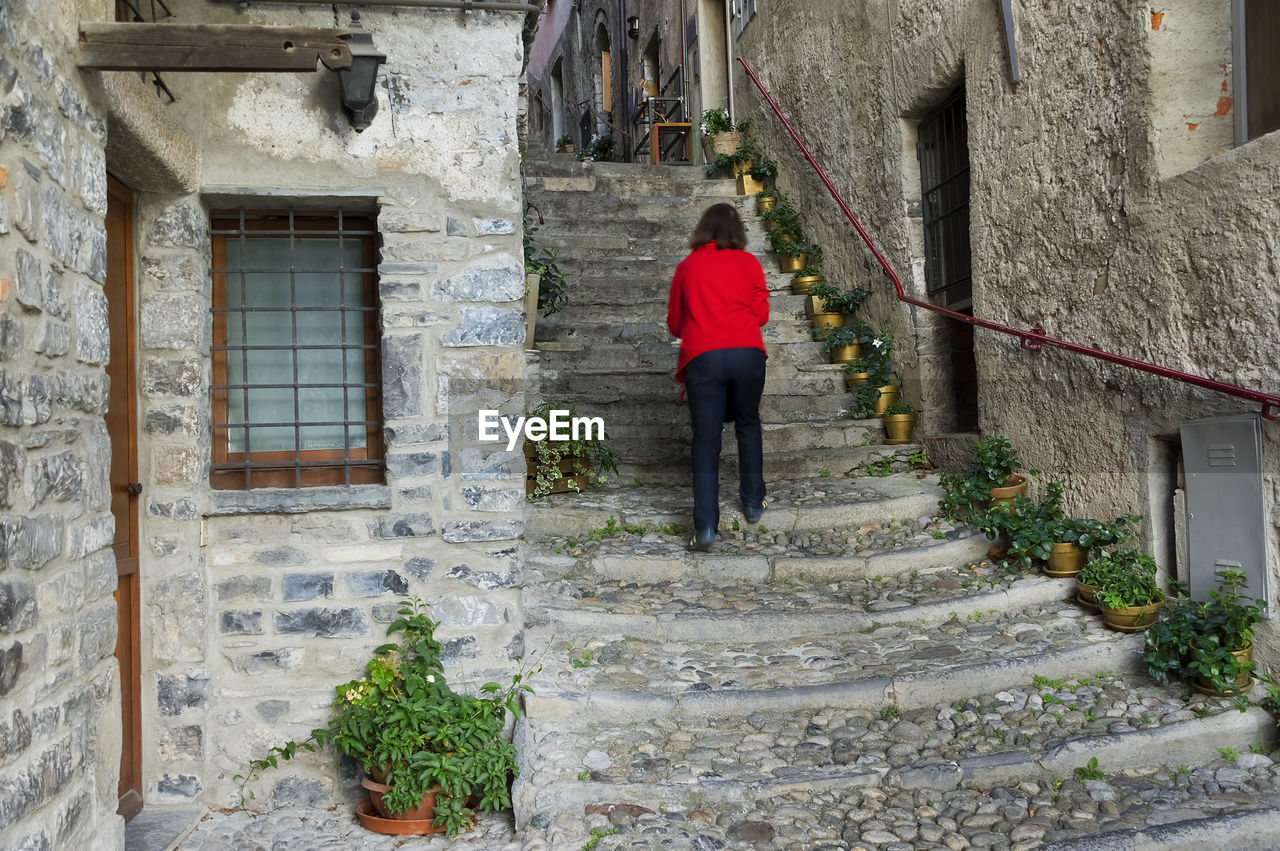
x=298, y=468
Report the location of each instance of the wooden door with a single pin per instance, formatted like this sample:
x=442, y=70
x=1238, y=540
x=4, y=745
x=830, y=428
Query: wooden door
x=122, y=427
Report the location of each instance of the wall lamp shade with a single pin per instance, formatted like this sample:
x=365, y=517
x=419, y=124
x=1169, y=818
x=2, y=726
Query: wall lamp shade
x=359, y=94
x=633, y=26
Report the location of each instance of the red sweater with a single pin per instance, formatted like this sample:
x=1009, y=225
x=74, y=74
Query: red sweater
x=719, y=300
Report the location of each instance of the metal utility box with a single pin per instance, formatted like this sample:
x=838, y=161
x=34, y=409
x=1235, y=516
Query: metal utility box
x=1226, y=517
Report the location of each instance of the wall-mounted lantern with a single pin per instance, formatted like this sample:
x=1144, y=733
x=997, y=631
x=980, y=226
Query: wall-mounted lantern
x=633, y=26
x=359, y=84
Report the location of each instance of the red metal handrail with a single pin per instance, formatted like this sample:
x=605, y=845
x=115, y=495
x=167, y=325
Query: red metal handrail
x=1032, y=339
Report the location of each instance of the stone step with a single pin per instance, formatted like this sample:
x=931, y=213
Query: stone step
x=979, y=742
x=808, y=379
x=625, y=179
x=606, y=244
x=576, y=356
x=650, y=292
x=662, y=407
x=777, y=437
x=1154, y=801
x=616, y=326
x=694, y=609
x=794, y=506
x=905, y=666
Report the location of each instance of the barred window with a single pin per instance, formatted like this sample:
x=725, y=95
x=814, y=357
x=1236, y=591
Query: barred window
x=296, y=375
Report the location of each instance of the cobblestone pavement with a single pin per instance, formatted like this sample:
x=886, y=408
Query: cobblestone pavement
x=1033, y=814
x=766, y=745
x=659, y=666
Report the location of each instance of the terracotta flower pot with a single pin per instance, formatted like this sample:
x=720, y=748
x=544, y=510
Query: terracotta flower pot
x=1086, y=595
x=899, y=428
x=1013, y=486
x=793, y=263
x=1130, y=618
x=888, y=395
x=800, y=286
x=1202, y=684
x=1064, y=560
x=425, y=810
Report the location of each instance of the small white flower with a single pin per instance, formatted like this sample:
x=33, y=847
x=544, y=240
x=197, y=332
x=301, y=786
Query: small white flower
x=877, y=343
x=352, y=694
x=431, y=678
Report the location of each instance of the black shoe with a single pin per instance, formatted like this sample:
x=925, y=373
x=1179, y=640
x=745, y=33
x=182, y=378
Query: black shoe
x=702, y=541
x=753, y=515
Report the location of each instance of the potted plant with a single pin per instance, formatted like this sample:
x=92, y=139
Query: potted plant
x=766, y=199
x=723, y=137
x=1128, y=596
x=559, y=466
x=426, y=750
x=1209, y=643
x=842, y=343
x=752, y=180
x=600, y=150
x=564, y=145
x=1073, y=536
x=991, y=478
x=793, y=255
x=899, y=423
x=802, y=283
x=848, y=303
x=546, y=288
x=856, y=373
x=1090, y=579
x=782, y=220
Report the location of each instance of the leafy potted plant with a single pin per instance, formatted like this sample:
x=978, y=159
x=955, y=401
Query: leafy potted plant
x=782, y=220
x=817, y=294
x=848, y=303
x=1128, y=596
x=546, y=287
x=600, y=149
x=564, y=145
x=991, y=478
x=1073, y=536
x=856, y=373
x=793, y=255
x=766, y=200
x=899, y=423
x=803, y=281
x=426, y=750
x=1209, y=643
x=716, y=127
x=843, y=343
x=559, y=466
x=752, y=180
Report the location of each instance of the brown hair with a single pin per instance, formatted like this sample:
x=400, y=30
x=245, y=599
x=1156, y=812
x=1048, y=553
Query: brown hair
x=722, y=225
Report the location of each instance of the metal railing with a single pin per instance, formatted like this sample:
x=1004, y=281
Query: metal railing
x=1031, y=339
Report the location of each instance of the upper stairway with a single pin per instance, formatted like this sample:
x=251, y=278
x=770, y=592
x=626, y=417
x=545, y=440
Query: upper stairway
x=621, y=230
x=849, y=673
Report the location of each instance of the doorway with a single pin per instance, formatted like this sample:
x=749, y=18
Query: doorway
x=943, y=149
x=121, y=419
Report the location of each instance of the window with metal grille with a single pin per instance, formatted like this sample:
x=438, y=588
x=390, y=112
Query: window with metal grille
x=944, y=179
x=296, y=376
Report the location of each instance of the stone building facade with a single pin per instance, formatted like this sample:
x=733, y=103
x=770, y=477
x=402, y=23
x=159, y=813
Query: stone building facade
x=1110, y=203
x=251, y=604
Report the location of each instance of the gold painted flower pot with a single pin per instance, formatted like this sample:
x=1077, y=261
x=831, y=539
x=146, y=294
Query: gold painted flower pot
x=764, y=205
x=1243, y=680
x=1014, y=486
x=844, y=354
x=793, y=262
x=899, y=428
x=748, y=185
x=1130, y=618
x=800, y=285
x=742, y=168
x=1086, y=594
x=855, y=379
x=888, y=395
x=1064, y=560
x=823, y=321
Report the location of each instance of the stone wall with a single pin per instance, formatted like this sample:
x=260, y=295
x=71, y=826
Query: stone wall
x=59, y=682
x=254, y=604
x=1079, y=224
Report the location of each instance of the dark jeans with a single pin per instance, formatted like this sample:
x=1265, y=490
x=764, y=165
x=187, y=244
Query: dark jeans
x=719, y=382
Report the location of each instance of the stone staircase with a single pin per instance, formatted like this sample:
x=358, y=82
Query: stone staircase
x=850, y=672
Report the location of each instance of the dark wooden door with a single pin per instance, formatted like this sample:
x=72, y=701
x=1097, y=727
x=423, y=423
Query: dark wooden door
x=122, y=428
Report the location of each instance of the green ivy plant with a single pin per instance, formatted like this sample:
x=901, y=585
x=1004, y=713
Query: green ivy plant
x=402, y=722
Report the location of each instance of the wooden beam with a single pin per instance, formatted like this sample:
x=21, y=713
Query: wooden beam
x=209, y=47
